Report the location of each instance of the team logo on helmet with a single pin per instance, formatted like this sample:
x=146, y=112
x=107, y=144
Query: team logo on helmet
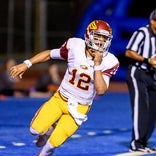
x=93, y=26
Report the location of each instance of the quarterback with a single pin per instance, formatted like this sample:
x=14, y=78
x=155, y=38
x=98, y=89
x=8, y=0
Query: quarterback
x=89, y=68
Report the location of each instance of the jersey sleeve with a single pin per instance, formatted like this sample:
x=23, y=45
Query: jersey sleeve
x=111, y=71
x=135, y=40
x=60, y=53
x=111, y=65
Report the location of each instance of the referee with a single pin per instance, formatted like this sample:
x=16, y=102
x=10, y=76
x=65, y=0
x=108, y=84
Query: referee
x=141, y=80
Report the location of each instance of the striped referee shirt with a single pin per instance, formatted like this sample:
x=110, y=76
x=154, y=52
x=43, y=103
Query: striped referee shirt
x=143, y=41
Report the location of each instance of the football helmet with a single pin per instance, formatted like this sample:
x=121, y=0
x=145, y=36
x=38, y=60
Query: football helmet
x=98, y=28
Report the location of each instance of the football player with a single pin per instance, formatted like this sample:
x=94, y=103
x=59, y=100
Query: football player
x=88, y=73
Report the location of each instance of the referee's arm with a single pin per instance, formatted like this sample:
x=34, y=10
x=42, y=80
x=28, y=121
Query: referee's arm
x=135, y=56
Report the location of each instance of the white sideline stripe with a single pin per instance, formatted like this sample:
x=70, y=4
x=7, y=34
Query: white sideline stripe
x=134, y=154
x=129, y=154
x=1, y=147
x=18, y=143
x=76, y=136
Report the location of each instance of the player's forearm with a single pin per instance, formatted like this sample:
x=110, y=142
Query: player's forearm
x=40, y=57
x=99, y=82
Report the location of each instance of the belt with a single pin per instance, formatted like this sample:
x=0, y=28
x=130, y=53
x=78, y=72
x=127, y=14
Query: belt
x=66, y=99
x=62, y=97
x=149, y=72
x=143, y=69
x=146, y=70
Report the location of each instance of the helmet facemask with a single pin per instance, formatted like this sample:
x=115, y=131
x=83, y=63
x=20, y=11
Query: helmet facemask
x=95, y=42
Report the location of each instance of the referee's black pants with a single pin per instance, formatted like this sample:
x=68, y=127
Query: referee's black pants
x=142, y=89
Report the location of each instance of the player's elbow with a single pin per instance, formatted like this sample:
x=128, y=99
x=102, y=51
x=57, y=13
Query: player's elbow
x=101, y=91
x=101, y=88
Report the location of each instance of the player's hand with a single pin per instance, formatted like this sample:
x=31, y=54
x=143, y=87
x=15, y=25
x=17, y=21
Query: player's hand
x=97, y=57
x=18, y=70
x=153, y=61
